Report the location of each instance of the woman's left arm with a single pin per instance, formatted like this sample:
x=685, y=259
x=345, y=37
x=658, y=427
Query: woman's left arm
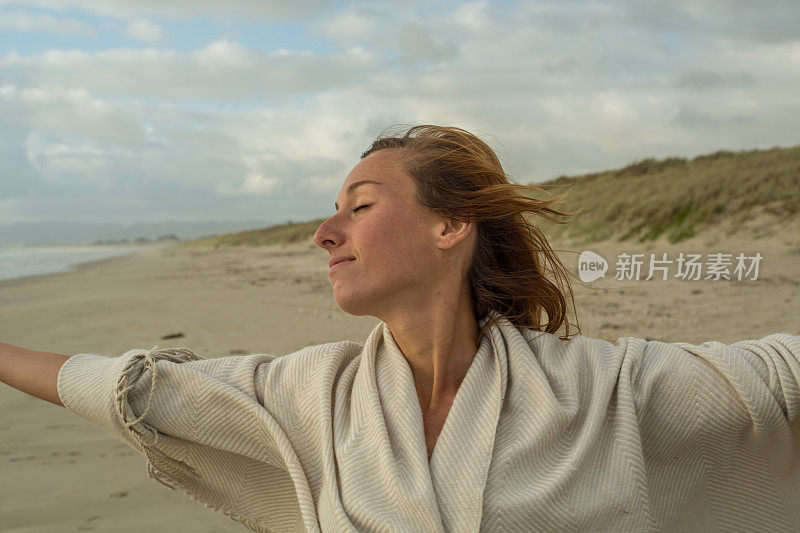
x=765, y=372
x=690, y=391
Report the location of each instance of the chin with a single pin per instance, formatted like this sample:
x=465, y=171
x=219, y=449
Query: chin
x=353, y=306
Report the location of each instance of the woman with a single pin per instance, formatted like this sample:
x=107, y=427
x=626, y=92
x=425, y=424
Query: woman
x=462, y=411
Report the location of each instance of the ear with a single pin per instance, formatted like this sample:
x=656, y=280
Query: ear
x=452, y=232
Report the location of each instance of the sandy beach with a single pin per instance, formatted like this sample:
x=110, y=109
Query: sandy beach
x=61, y=473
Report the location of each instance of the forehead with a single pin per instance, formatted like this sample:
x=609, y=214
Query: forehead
x=382, y=167
x=375, y=165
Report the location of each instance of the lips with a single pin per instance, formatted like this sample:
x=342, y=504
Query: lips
x=335, y=260
x=339, y=264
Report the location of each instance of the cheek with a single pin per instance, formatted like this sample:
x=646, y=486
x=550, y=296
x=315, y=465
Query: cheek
x=396, y=242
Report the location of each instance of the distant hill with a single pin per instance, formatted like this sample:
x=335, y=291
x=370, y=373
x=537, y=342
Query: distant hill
x=280, y=234
x=71, y=233
x=675, y=197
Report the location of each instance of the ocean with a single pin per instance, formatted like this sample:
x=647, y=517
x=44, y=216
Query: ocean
x=32, y=261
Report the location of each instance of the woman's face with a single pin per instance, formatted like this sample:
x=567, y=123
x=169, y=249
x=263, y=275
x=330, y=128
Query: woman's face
x=390, y=236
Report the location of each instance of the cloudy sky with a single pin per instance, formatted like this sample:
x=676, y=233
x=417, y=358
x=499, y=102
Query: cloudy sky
x=112, y=110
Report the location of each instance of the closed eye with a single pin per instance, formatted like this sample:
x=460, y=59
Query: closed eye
x=359, y=207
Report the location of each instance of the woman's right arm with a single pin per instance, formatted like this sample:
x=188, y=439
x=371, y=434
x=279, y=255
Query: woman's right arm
x=31, y=371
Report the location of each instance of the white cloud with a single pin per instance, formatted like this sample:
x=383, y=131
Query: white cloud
x=146, y=31
x=62, y=158
x=222, y=69
x=7, y=91
x=351, y=26
x=227, y=54
x=473, y=16
x=256, y=180
x=43, y=22
x=417, y=44
x=324, y=184
x=255, y=9
x=73, y=112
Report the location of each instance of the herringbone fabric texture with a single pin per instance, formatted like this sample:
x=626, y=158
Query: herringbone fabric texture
x=543, y=435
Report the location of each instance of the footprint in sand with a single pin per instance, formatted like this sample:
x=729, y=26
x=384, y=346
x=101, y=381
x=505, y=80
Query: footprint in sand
x=26, y=458
x=88, y=526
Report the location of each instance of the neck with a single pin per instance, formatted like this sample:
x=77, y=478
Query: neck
x=439, y=341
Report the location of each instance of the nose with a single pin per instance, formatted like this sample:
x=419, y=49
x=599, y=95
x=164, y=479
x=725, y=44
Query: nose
x=323, y=235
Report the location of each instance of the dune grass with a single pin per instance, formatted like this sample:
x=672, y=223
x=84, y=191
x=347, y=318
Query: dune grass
x=674, y=197
x=678, y=198
x=272, y=235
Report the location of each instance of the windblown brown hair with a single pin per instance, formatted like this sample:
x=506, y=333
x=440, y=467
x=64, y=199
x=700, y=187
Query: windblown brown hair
x=459, y=177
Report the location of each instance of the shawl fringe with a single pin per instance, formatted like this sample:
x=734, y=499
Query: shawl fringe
x=170, y=472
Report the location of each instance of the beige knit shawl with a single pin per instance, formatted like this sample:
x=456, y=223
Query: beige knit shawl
x=543, y=435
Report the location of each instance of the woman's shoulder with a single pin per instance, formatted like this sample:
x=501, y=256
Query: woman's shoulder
x=329, y=352
x=577, y=346
x=581, y=346
x=317, y=360
x=607, y=360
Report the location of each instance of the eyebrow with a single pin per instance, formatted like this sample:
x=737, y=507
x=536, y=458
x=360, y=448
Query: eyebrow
x=353, y=186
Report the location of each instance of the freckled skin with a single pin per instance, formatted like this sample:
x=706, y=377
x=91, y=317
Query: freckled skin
x=410, y=272
x=394, y=259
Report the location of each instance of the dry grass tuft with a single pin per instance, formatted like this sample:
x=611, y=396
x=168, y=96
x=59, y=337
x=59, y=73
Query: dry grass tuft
x=679, y=198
